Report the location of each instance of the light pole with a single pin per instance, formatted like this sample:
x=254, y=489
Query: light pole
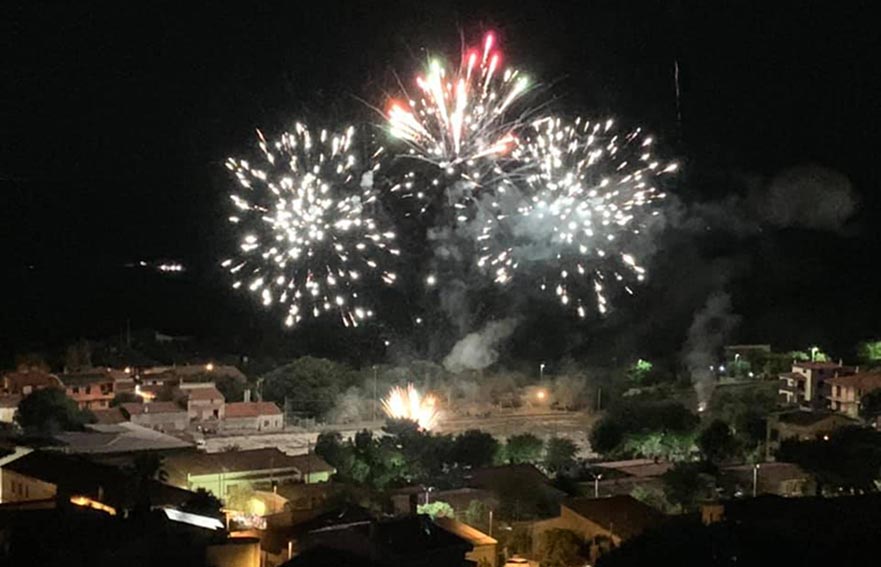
x=596, y=484
x=755, y=478
x=374, y=393
x=541, y=371
x=814, y=351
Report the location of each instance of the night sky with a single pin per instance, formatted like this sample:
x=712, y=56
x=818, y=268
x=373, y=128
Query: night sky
x=117, y=118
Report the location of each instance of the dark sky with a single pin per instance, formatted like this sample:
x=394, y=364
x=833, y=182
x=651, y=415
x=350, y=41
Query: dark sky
x=117, y=117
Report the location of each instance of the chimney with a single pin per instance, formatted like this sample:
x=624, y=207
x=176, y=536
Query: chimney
x=247, y=395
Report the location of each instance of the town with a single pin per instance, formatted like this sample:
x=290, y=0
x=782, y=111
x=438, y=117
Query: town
x=193, y=462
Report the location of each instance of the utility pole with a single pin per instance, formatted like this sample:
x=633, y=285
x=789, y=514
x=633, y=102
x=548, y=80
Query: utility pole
x=374, y=393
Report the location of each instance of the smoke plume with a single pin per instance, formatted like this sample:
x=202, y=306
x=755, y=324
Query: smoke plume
x=706, y=336
x=479, y=349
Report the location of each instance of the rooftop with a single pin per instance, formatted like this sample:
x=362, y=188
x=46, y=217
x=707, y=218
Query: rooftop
x=623, y=515
x=10, y=401
x=109, y=416
x=251, y=409
x=93, y=376
x=469, y=533
x=122, y=437
x=807, y=418
x=818, y=365
x=13, y=382
x=209, y=393
x=637, y=467
x=236, y=461
x=152, y=407
x=865, y=382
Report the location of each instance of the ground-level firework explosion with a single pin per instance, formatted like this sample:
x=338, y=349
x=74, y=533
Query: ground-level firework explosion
x=408, y=403
x=308, y=237
x=585, y=198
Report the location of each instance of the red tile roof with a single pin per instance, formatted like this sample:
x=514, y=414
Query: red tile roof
x=13, y=382
x=623, y=515
x=251, y=409
x=208, y=393
x=818, y=365
x=865, y=382
x=108, y=416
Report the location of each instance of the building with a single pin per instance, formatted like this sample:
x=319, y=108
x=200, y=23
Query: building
x=484, y=548
x=412, y=541
x=603, y=523
x=24, y=382
x=257, y=468
x=95, y=388
x=802, y=425
x=204, y=402
x=161, y=416
x=805, y=384
x=781, y=479
x=253, y=416
x=49, y=475
x=8, y=407
x=846, y=392
x=120, y=439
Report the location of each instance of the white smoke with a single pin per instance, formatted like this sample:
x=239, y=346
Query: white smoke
x=479, y=349
x=809, y=196
x=706, y=336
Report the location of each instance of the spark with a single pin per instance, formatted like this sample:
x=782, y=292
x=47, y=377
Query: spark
x=307, y=234
x=584, y=203
x=408, y=403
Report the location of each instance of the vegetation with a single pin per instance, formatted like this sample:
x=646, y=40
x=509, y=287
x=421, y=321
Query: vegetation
x=685, y=485
x=311, y=385
x=49, y=411
x=204, y=503
x=560, y=455
x=630, y=419
x=436, y=509
x=124, y=398
x=560, y=548
x=849, y=459
x=524, y=448
x=717, y=443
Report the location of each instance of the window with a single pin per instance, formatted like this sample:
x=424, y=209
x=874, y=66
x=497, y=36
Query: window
x=88, y=389
x=76, y=390
x=265, y=423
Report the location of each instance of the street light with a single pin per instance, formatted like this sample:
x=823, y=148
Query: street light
x=541, y=371
x=596, y=484
x=755, y=478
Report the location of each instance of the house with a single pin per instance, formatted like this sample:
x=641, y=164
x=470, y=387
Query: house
x=161, y=416
x=603, y=523
x=95, y=388
x=406, y=500
x=204, y=402
x=24, y=382
x=258, y=468
x=802, y=425
x=120, y=439
x=781, y=479
x=109, y=416
x=484, y=548
x=8, y=407
x=49, y=475
x=621, y=477
x=254, y=416
x=413, y=541
x=846, y=392
x=805, y=384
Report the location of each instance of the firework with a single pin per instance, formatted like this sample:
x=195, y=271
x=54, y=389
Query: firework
x=408, y=403
x=584, y=203
x=308, y=239
x=461, y=117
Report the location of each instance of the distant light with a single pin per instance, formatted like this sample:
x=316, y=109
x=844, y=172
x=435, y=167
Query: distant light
x=86, y=502
x=721, y=369
x=209, y=367
x=430, y=280
x=541, y=394
x=418, y=320
x=128, y=370
x=751, y=375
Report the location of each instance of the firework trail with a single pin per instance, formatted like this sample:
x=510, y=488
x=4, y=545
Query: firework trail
x=308, y=240
x=408, y=403
x=459, y=120
x=586, y=198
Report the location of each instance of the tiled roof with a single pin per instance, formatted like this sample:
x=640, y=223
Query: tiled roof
x=123, y=437
x=865, y=382
x=10, y=401
x=108, y=416
x=818, y=365
x=93, y=376
x=469, y=533
x=251, y=409
x=251, y=460
x=208, y=393
x=13, y=382
x=623, y=515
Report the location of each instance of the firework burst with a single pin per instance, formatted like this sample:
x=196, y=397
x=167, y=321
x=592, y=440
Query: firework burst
x=308, y=239
x=460, y=120
x=408, y=403
x=585, y=201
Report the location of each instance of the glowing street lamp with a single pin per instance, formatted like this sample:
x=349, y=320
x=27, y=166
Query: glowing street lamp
x=541, y=371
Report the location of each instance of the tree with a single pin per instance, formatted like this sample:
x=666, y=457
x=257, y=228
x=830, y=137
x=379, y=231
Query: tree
x=311, y=385
x=436, y=509
x=685, y=484
x=652, y=495
x=232, y=388
x=524, y=448
x=849, y=459
x=48, y=411
x=145, y=469
x=560, y=454
x=606, y=435
x=559, y=548
x=31, y=361
x=640, y=371
x=870, y=405
x=474, y=448
x=716, y=442
x=869, y=353
x=477, y=515
x=78, y=356
x=124, y=398
x=204, y=503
